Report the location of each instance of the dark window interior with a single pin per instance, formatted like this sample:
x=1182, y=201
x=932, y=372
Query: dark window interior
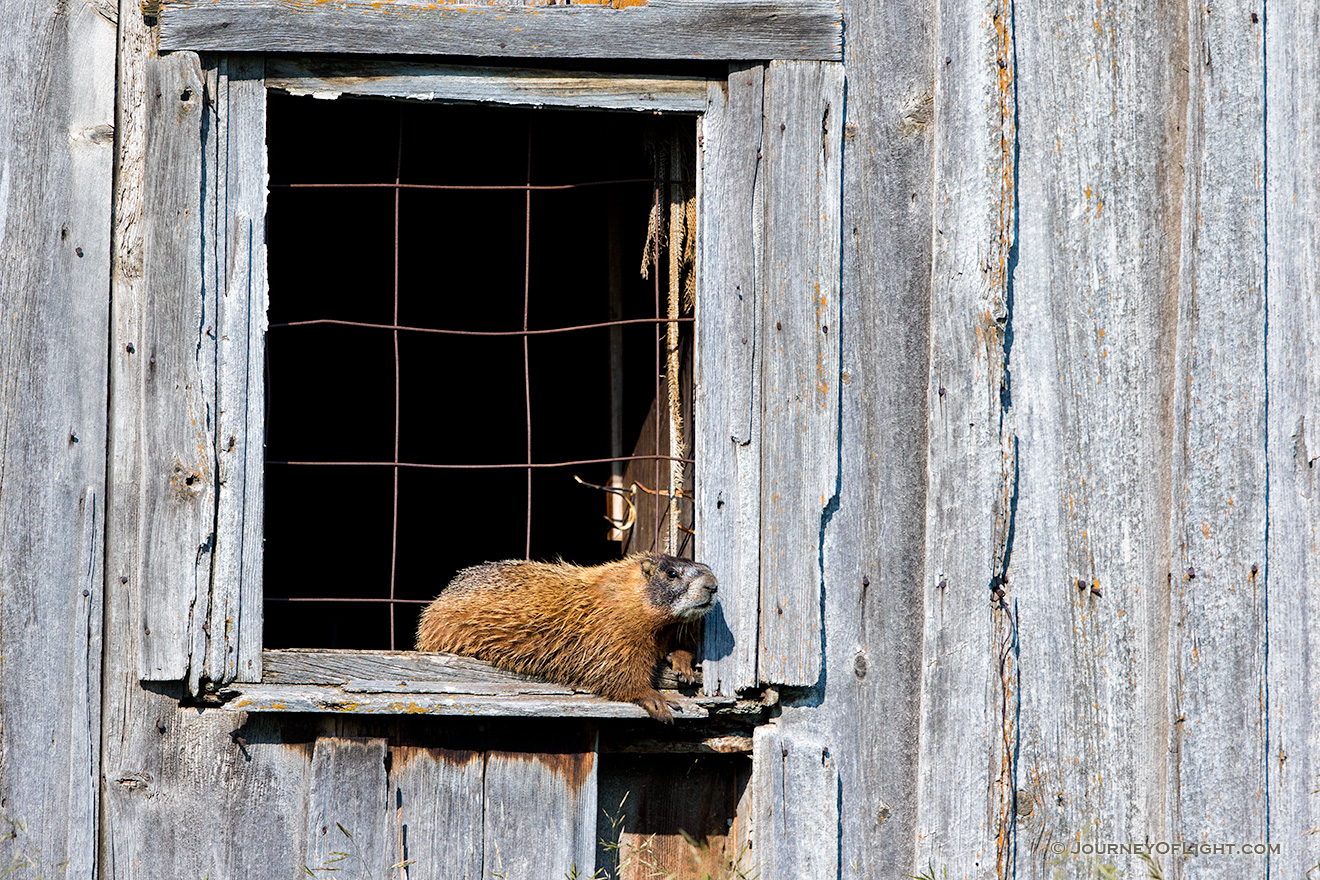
x=348, y=516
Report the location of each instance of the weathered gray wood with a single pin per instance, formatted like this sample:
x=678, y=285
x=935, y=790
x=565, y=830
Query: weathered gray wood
x=1292, y=567
x=968, y=681
x=1217, y=745
x=414, y=699
x=1094, y=317
x=162, y=369
x=234, y=241
x=309, y=666
x=540, y=814
x=799, y=290
x=727, y=438
x=177, y=779
x=497, y=85
x=56, y=155
x=348, y=810
x=437, y=798
x=795, y=803
x=715, y=29
x=874, y=544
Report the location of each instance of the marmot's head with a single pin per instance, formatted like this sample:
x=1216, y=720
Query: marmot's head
x=684, y=589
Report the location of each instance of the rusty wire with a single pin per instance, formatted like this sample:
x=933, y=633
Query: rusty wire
x=658, y=320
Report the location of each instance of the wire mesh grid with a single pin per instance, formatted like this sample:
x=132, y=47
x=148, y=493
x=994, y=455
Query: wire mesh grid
x=664, y=491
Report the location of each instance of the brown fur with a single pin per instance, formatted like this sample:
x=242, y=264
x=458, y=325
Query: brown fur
x=604, y=628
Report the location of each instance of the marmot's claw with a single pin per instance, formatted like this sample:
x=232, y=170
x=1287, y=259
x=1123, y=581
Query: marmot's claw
x=658, y=707
x=684, y=664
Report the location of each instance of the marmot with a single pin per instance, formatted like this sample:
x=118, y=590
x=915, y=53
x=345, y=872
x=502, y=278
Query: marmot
x=604, y=627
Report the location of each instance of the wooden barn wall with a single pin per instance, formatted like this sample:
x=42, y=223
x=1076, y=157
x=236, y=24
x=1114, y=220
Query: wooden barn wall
x=57, y=87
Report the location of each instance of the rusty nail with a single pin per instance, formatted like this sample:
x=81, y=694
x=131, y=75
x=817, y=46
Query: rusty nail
x=129, y=348
x=1255, y=19
x=825, y=328
x=1081, y=584
x=784, y=751
x=73, y=438
x=866, y=581
x=86, y=593
x=744, y=340
x=944, y=583
x=782, y=126
x=78, y=251
x=778, y=325
x=1002, y=65
x=941, y=391
x=1254, y=569
x=948, y=59
x=160, y=725
x=1191, y=573
x=123, y=579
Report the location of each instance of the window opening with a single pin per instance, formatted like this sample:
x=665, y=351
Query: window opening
x=464, y=362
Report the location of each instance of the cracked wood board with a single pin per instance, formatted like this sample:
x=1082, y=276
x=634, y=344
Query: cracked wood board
x=1095, y=323
x=56, y=163
x=1293, y=385
x=799, y=337
x=492, y=85
x=964, y=781
x=670, y=29
x=728, y=393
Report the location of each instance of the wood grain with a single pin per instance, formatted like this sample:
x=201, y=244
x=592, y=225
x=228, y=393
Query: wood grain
x=348, y=811
x=728, y=393
x=540, y=814
x=234, y=242
x=968, y=681
x=409, y=699
x=874, y=542
x=1217, y=747
x=326, y=78
x=437, y=801
x=162, y=363
x=795, y=806
x=1094, y=317
x=1292, y=377
x=712, y=29
x=799, y=286
x=56, y=159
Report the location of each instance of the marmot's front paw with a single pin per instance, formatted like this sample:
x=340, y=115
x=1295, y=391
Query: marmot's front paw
x=657, y=706
x=684, y=663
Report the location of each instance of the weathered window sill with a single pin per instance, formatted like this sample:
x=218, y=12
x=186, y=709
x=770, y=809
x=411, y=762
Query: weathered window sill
x=416, y=683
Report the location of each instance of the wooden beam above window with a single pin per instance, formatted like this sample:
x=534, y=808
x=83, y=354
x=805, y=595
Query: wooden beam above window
x=659, y=29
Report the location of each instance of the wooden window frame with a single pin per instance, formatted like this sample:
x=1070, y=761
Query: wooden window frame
x=768, y=195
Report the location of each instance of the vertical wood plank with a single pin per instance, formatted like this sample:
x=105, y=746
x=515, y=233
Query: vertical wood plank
x=1219, y=515
x=235, y=228
x=56, y=156
x=967, y=686
x=540, y=814
x=438, y=796
x=875, y=541
x=162, y=366
x=728, y=395
x=349, y=827
x=795, y=798
x=799, y=280
x=1093, y=321
x=192, y=793
x=1292, y=569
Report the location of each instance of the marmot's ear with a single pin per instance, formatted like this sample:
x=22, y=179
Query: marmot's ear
x=648, y=566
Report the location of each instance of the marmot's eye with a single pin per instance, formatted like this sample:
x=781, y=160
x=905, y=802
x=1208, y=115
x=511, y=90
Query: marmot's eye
x=672, y=573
